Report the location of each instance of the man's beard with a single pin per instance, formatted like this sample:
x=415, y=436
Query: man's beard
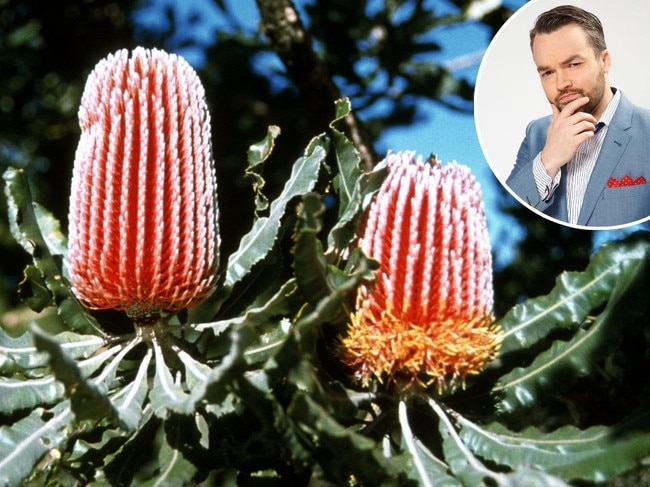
x=595, y=96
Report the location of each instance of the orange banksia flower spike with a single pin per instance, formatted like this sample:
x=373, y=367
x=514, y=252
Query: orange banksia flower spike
x=143, y=233
x=427, y=316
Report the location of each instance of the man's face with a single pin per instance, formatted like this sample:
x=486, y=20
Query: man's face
x=569, y=68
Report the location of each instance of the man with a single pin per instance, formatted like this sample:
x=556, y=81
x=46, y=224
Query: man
x=589, y=162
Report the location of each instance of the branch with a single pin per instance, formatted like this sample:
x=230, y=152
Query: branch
x=282, y=26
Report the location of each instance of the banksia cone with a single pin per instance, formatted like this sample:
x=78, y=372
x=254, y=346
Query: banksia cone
x=427, y=316
x=143, y=233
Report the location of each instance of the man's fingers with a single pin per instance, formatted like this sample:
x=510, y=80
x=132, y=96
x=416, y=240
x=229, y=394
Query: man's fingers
x=556, y=110
x=585, y=126
x=571, y=107
x=580, y=117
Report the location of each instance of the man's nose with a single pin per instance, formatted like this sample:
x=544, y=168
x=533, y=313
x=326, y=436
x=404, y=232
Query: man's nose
x=562, y=81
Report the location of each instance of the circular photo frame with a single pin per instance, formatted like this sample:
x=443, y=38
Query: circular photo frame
x=509, y=95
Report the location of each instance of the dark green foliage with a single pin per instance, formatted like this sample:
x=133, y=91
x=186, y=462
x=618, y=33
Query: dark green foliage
x=257, y=395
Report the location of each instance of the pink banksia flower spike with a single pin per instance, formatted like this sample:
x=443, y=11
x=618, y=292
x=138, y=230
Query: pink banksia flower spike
x=427, y=317
x=143, y=234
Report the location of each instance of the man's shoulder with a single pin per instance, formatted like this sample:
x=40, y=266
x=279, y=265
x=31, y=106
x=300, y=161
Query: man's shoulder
x=639, y=114
x=642, y=113
x=539, y=125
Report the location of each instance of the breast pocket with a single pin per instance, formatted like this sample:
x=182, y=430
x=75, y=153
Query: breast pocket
x=636, y=191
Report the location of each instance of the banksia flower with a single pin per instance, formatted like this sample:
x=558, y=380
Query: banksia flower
x=143, y=233
x=427, y=316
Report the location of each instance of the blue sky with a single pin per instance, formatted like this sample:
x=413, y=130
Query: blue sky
x=451, y=135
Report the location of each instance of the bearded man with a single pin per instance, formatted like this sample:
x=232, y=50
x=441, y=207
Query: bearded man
x=588, y=163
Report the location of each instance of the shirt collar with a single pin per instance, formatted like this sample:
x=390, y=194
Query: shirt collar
x=606, y=118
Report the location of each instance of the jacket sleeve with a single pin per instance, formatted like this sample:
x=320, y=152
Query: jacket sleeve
x=522, y=180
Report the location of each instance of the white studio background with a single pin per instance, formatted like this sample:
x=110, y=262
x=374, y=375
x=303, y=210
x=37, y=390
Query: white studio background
x=509, y=93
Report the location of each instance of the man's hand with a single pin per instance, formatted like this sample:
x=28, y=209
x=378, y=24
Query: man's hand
x=568, y=129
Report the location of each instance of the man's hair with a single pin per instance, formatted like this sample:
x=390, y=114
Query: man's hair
x=558, y=17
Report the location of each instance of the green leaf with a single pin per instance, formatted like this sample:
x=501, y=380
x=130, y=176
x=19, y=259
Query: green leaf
x=19, y=354
x=33, y=291
x=257, y=243
x=202, y=385
x=462, y=462
x=23, y=443
x=16, y=356
x=24, y=225
x=167, y=394
x=258, y=153
x=628, y=269
x=129, y=400
x=174, y=469
x=87, y=400
x=56, y=241
x=278, y=429
x=575, y=296
x=314, y=278
x=429, y=470
x=276, y=305
x=347, y=158
x=345, y=230
x=20, y=394
x=268, y=321
x=292, y=359
x=122, y=466
x=595, y=454
x=340, y=451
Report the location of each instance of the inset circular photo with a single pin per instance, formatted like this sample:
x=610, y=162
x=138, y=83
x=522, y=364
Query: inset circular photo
x=562, y=111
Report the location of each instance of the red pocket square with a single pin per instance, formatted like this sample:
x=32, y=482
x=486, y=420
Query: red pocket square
x=625, y=181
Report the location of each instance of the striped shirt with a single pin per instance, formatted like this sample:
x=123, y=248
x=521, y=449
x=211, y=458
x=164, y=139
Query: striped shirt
x=579, y=168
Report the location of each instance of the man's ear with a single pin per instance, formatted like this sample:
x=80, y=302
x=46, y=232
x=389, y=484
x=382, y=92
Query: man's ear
x=606, y=60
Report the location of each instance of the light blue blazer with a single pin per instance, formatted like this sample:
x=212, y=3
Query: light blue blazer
x=625, y=156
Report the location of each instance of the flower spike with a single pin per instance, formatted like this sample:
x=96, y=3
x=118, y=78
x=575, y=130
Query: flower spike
x=427, y=316
x=143, y=233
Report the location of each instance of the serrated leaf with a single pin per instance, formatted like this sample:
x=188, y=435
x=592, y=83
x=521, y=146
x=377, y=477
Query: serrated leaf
x=462, y=462
x=23, y=443
x=554, y=369
x=344, y=231
x=175, y=469
x=595, y=454
x=130, y=399
x=347, y=158
x=575, y=295
x=363, y=458
x=19, y=354
x=291, y=363
x=87, y=400
x=122, y=466
x=258, y=153
x=291, y=359
x=212, y=386
x=33, y=291
x=30, y=392
x=313, y=275
x=257, y=243
x=25, y=228
x=276, y=305
x=429, y=470
x=166, y=393
x=20, y=394
x=57, y=243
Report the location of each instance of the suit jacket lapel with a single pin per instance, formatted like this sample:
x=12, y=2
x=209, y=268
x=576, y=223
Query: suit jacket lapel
x=614, y=145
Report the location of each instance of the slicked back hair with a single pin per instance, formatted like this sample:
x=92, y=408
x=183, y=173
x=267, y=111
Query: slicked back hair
x=558, y=17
